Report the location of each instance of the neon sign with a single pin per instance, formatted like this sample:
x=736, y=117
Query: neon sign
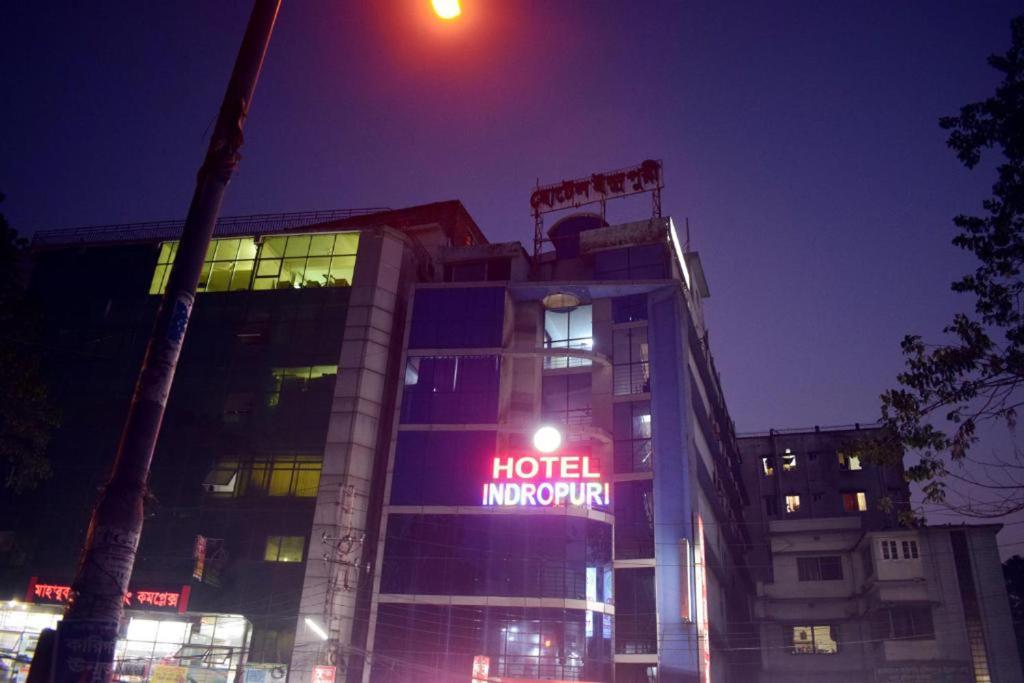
x=60, y=593
x=545, y=480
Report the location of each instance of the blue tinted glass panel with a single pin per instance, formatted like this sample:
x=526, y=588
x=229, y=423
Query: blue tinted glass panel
x=441, y=468
x=460, y=318
x=451, y=390
x=644, y=262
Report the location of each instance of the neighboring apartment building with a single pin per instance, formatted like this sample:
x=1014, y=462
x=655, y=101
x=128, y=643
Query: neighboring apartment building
x=492, y=551
x=344, y=479
x=844, y=592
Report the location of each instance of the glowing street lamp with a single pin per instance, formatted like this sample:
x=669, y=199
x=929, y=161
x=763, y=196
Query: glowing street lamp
x=446, y=9
x=547, y=439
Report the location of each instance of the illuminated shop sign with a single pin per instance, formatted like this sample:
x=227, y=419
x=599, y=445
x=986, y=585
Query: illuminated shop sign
x=546, y=480
x=162, y=600
x=701, y=576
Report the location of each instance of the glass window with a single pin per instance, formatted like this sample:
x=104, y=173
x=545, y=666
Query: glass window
x=792, y=504
x=829, y=568
x=284, y=548
x=855, y=501
x=413, y=641
x=298, y=379
x=771, y=506
x=788, y=460
x=634, y=519
x=451, y=390
x=849, y=461
x=643, y=262
x=298, y=261
x=509, y=555
x=632, y=427
x=888, y=550
x=910, y=550
x=570, y=329
x=768, y=465
x=814, y=640
x=441, y=467
x=566, y=399
x=903, y=623
x=628, y=309
x=631, y=361
x=636, y=630
x=457, y=318
x=228, y=265
x=280, y=475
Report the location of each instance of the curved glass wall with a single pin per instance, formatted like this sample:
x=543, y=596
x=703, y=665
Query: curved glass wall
x=438, y=643
x=508, y=555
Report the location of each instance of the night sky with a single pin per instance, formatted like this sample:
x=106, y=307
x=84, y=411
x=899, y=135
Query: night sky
x=799, y=138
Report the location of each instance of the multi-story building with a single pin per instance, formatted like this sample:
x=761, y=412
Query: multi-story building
x=844, y=592
x=270, y=426
x=347, y=475
x=617, y=553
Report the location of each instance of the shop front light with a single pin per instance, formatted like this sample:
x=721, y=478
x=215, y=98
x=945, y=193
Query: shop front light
x=316, y=628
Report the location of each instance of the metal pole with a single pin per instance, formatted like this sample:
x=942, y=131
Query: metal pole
x=86, y=638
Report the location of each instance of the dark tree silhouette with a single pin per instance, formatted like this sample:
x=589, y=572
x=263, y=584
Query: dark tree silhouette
x=27, y=417
x=948, y=390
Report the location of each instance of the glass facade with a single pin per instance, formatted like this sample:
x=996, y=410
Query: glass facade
x=633, y=449
x=508, y=555
x=279, y=262
x=438, y=642
x=457, y=318
x=451, y=390
x=566, y=399
x=632, y=361
x=636, y=625
x=571, y=329
x=441, y=467
x=634, y=519
x=644, y=262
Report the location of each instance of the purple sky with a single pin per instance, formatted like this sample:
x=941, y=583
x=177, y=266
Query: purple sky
x=800, y=139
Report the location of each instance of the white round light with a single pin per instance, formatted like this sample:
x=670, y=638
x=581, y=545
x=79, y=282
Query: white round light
x=547, y=439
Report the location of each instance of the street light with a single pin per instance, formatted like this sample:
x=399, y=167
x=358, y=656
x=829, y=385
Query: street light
x=446, y=9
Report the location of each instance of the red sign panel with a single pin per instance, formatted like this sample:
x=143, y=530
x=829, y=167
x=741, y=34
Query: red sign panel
x=162, y=600
x=324, y=674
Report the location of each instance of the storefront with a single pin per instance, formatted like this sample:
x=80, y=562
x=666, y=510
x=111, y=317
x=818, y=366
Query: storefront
x=160, y=640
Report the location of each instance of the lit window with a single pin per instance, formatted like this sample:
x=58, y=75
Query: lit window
x=788, y=460
x=282, y=475
x=814, y=640
x=296, y=379
x=632, y=428
x=855, y=501
x=849, y=461
x=297, y=261
x=792, y=504
x=768, y=465
x=284, y=548
x=569, y=329
x=227, y=267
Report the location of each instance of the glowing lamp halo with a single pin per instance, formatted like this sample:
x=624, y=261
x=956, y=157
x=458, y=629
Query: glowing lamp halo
x=547, y=439
x=446, y=9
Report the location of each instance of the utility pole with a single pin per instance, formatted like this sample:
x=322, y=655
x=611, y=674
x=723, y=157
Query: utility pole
x=86, y=638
